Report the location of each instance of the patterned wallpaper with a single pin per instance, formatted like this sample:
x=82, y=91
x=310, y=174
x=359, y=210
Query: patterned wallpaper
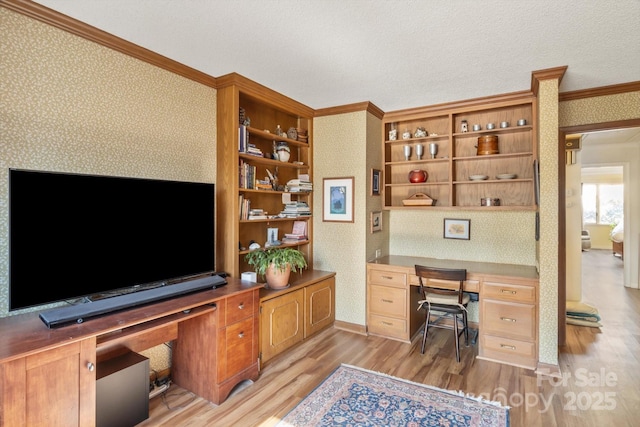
x=340, y=149
x=70, y=105
x=548, y=244
x=601, y=109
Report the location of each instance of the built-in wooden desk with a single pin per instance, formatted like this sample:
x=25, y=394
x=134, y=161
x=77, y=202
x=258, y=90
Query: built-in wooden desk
x=508, y=294
x=48, y=376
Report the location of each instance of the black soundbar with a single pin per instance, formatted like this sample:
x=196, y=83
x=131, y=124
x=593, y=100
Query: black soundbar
x=67, y=315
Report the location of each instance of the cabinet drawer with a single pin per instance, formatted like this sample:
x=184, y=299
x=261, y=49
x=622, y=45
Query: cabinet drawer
x=516, y=352
x=388, y=301
x=387, y=326
x=388, y=278
x=239, y=307
x=509, y=319
x=509, y=292
x=239, y=343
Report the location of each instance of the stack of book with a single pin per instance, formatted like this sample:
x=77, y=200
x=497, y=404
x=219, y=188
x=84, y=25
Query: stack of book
x=299, y=186
x=296, y=209
x=298, y=233
x=257, y=214
x=244, y=146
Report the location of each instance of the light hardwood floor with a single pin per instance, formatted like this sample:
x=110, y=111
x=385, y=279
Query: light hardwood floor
x=600, y=385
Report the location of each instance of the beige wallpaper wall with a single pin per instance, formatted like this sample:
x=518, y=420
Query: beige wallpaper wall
x=340, y=149
x=379, y=239
x=70, y=105
x=549, y=223
x=600, y=109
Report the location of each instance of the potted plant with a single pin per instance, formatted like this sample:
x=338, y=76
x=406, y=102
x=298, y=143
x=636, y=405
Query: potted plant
x=276, y=264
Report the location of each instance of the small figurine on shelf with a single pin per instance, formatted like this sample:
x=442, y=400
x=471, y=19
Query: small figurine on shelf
x=279, y=131
x=464, y=127
x=273, y=178
x=420, y=133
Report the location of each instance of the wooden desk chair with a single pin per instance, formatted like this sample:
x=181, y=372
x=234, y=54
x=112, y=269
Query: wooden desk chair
x=442, y=291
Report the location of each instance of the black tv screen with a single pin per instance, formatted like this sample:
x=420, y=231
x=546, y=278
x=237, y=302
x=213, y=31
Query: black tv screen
x=73, y=235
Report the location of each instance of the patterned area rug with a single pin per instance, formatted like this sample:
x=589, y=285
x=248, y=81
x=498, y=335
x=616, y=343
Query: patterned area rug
x=352, y=397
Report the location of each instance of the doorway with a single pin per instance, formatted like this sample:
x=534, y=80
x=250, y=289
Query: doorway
x=562, y=212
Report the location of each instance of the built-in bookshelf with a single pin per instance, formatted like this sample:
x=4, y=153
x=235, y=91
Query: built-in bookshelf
x=460, y=172
x=264, y=179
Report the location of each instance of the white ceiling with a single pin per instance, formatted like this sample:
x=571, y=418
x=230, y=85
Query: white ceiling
x=395, y=54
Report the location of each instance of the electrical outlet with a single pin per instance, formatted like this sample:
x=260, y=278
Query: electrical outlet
x=378, y=253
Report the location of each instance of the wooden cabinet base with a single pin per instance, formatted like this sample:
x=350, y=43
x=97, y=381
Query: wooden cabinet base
x=48, y=376
x=289, y=316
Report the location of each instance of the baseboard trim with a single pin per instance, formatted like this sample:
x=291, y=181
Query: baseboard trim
x=350, y=327
x=548, y=369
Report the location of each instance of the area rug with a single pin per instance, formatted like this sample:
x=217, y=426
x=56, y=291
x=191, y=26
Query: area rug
x=352, y=397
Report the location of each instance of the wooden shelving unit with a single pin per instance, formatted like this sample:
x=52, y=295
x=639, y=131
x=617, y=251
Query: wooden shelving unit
x=457, y=158
x=266, y=110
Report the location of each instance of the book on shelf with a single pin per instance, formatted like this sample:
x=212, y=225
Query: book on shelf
x=299, y=228
x=244, y=206
x=257, y=214
x=296, y=209
x=247, y=178
x=299, y=186
x=298, y=233
x=243, y=139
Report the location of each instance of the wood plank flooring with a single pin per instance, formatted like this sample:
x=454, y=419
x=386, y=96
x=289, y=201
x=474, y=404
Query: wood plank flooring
x=600, y=385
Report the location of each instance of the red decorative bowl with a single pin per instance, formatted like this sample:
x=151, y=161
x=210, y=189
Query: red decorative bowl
x=418, y=175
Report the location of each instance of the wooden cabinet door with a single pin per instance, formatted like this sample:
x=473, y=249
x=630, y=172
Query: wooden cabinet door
x=52, y=388
x=319, y=306
x=281, y=323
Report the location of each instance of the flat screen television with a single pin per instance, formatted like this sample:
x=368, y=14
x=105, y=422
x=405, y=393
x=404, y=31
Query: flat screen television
x=73, y=235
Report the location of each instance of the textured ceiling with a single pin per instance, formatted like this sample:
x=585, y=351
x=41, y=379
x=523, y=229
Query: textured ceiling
x=396, y=54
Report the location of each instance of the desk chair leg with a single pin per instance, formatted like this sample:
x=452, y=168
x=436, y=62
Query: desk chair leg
x=426, y=329
x=466, y=328
x=457, y=337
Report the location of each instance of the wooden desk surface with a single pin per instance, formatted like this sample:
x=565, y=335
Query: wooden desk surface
x=25, y=334
x=485, y=269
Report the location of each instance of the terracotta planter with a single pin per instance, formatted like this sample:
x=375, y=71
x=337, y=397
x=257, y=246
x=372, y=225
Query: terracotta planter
x=276, y=278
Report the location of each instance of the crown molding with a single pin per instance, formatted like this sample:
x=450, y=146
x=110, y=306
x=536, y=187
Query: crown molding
x=351, y=108
x=600, y=91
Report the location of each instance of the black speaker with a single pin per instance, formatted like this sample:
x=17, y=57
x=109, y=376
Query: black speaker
x=62, y=316
x=122, y=391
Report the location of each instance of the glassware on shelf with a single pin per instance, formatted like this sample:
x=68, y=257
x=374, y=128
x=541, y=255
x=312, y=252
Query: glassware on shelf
x=407, y=152
x=433, y=150
x=419, y=151
x=393, y=132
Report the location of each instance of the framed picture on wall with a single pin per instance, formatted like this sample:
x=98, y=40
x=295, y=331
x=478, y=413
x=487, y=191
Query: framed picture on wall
x=376, y=221
x=376, y=181
x=337, y=199
x=457, y=228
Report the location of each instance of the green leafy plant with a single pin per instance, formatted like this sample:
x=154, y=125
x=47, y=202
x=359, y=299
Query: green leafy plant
x=260, y=259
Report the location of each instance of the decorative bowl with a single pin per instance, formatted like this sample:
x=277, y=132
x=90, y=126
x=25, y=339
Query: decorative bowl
x=418, y=175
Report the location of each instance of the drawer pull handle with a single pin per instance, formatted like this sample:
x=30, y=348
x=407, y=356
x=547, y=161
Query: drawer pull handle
x=508, y=319
x=387, y=277
x=90, y=366
x=507, y=291
x=387, y=323
x=241, y=306
x=390, y=301
x=508, y=347
x=241, y=335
